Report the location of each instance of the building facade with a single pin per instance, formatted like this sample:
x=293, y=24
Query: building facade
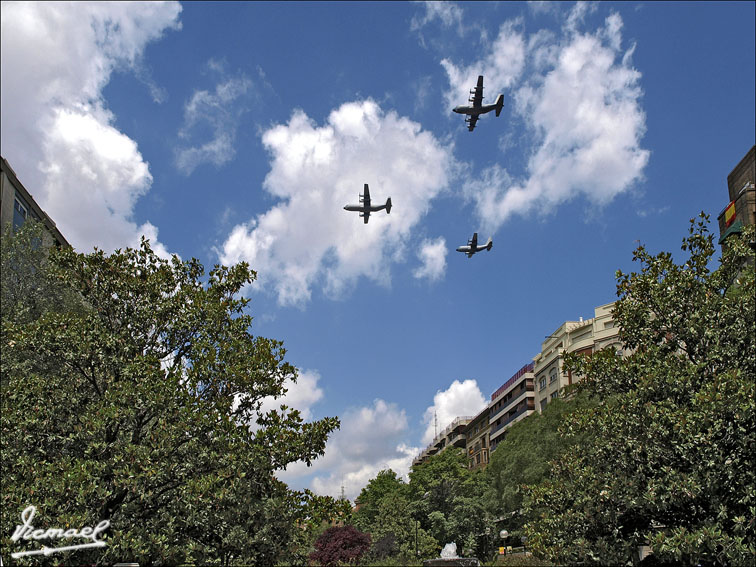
x=528, y=390
x=582, y=337
x=453, y=435
x=17, y=205
x=741, y=210
x=512, y=402
x=477, y=441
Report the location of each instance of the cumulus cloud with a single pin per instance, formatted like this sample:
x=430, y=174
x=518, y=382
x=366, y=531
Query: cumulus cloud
x=458, y=400
x=579, y=97
x=219, y=112
x=502, y=66
x=56, y=130
x=370, y=440
x=307, y=239
x=432, y=254
x=300, y=395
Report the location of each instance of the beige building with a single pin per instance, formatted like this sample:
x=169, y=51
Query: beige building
x=17, y=205
x=582, y=337
x=476, y=440
x=530, y=389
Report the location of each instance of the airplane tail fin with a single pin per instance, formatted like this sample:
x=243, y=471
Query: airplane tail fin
x=489, y=244
x=388, y=206
x=499, y=104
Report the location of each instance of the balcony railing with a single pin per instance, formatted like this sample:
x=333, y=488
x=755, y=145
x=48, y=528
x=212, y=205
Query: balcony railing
x=521, y=410
x=524, y=395
x=524, y=370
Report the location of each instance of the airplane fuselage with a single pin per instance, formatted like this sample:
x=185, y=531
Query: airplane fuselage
x=366, y=207
x=462, y=109
x=363, y=208
x=473, y=248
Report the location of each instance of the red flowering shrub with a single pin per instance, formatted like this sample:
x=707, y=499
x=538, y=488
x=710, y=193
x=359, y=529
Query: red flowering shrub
x=340, y=545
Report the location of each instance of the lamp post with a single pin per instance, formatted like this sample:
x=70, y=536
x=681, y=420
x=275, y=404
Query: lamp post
x=504, y=534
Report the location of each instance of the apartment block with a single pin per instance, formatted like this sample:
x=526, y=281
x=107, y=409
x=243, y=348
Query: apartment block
x=453, y=435
x=512, y=402
x=477, y=441
x=17, y=205
x=582, y=337
x=529, y=389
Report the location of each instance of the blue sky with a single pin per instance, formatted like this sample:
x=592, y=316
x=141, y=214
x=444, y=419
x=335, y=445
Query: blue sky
x=237, y=131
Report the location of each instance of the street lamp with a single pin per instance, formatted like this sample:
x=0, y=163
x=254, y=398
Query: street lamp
x=504, y=534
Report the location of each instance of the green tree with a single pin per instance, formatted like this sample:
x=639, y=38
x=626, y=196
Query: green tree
x=667, y=457
x=385, y=483
x=135, y=406
x=523, y=459
x=385, y=513
x=447, y=500
x=27, y=289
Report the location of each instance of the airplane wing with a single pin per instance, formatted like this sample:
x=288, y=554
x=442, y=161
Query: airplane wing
x=366, y=196
x=366, y=215
x=477, y=93
x=474, y=241
x=472, y=120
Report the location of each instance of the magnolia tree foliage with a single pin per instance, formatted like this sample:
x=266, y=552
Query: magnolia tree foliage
x=666, y=458
x=129, y=383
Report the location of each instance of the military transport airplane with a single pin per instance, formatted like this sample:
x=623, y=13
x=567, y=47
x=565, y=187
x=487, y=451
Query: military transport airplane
x=478, y=108
x=472, y=246
x=364, y=208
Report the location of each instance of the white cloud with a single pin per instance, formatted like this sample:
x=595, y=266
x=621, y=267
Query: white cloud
x=458, y=400
x=501, y=67
x=218, y=111
x=448, y=13
x=300, y=395
x=580, y=99
x=370, y=440
x=307, y=239
x=543, y=7
x=56, y=130
x=432, y=254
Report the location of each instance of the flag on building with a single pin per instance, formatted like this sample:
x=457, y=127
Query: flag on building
x=730, y=214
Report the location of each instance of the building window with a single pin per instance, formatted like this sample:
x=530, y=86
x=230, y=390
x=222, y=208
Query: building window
x=554, y=395
x=552, y=375
x=19, y=214
x=542, y=383
x=543, y=403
